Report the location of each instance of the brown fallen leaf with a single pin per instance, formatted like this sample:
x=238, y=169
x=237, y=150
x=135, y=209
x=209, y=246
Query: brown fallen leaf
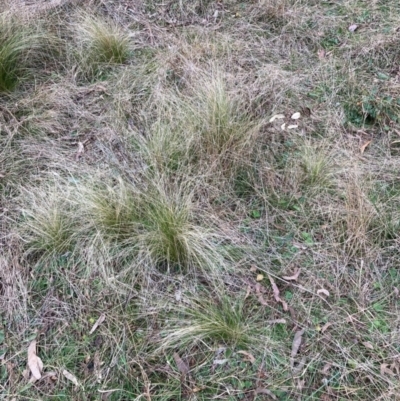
x=99, y=321
x=35, y=364
x=325, y=327
x=276, y=117
x=294, y=276
x=182, y=367
x=70, y=377
x=323, y=291
x=367, y=344
x=296, y=346
x=261, y=390
x=260, y=296
x=385, y=370
x=364, y=146
x=276, y=293
x=353, y=27
x=249, y=357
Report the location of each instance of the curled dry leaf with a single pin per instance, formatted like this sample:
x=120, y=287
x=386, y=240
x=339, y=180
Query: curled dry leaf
x=276, y=293
x=353, y=27
x=323, y=291
x=259, y=295
x=364, y=146
x=385, y=370
x=276, y=117
x=35, y=364
x=265, y=391
x=298, y=337
x=325, y=327
x=248, y=357
x=367, y=344
x=70, y=377
x=182, y=367
x=294, y=276
x=99, y=321
x=295, y=116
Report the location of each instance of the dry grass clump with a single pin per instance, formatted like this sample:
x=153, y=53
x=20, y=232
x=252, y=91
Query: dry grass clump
x=101, y=44
x=49, y=227
x=22, y=47
x=213, y=318
x=205, y=129
x=156, y=224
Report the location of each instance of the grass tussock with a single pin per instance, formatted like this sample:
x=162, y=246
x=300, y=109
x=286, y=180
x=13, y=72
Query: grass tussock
x=22, y=48
x=157, y=224
x=101, y=44
x=200, y=200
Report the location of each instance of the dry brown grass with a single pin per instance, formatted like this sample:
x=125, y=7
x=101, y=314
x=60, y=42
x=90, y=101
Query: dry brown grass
x=153, y=188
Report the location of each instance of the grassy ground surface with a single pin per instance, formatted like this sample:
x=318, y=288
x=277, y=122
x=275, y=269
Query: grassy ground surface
x=200, y=200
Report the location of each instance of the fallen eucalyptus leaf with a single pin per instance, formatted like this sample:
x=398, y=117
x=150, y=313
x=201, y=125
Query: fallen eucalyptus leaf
x=182, y=367
x=35, y=364
x=296, y=345
x=70, y=377
x=276, y=117
x=276, y=293
x=353, y=27
x=323, y=291
x=294, y=276
x=249, y=357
